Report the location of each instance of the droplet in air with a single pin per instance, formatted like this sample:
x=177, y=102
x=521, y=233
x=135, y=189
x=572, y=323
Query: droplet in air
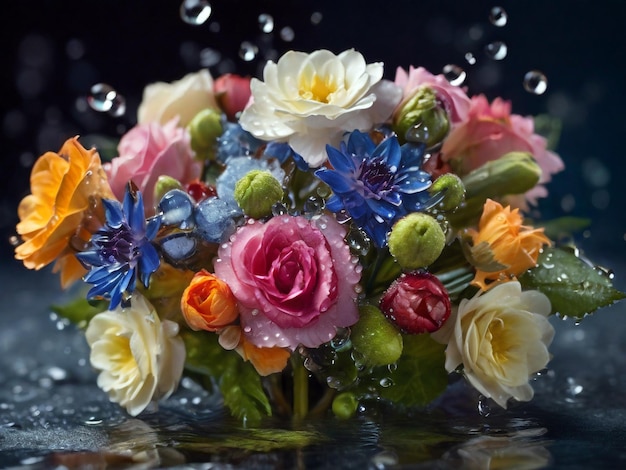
x=248, y=51
x=498, y=16
x=469, y=58
x=287, y=34
x=496, y=50
x=266, y=23
x=118, y=106
x=454, y=74
x=209, y=57
x=14, y=240
x=101, y=97
x=195, y=12
x=316, y=17
x=535, y=82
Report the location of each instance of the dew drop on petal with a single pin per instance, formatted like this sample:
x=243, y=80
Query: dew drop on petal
x=266, y=23
x=248, y=51
x=195, y=12
x=454, y=74
x=535, y=82
x=287, y=34
x=498, y=16
x=496, y=50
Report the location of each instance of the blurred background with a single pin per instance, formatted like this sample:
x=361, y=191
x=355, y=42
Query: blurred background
x=53, y=51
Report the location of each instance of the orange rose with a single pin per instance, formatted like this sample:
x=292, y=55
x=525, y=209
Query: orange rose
x=207, y=303
x=65, y=201
x=502, y=246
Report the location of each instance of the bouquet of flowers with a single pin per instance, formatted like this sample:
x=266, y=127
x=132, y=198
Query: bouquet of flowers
x=307, y=241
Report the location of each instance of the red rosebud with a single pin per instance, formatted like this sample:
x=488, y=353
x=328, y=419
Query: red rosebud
x=200, y=191
x=232, y=93
x=416, y=302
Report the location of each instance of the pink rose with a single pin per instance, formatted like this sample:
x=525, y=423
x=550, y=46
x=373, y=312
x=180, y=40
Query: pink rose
x=492, y=131
x=455, y=100
x=293, y=278
x=232, y=93
x=148, y=151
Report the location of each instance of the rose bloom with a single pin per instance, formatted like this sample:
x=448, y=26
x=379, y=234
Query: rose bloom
x=184, y=98
x=293, y=278
x=455, y=100
x=207, y=303
x=502, y=246
x=64, y=206
x=232, y=93
x=140, y=357
x=310, y=100
x=492, y=131
x=501, y=338
x=148, y=151
x=416, y=302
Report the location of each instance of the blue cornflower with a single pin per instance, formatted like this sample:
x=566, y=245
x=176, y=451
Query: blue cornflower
x=121, y=250
x=376, y=185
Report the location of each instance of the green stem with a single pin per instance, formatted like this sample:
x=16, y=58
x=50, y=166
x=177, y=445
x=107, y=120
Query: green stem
x=324, y=403
x=300, y=389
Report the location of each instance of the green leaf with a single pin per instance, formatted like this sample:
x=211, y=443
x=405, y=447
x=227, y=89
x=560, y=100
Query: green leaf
x=238, y=381
x=564, y=226
x=420, y=376
x=80, y=311
x=574, y=287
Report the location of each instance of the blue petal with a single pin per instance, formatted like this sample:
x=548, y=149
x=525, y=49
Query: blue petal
x=340, y=161
x=414, y=185
x=389, y=149
x=149, y=260
x=152, y=227
x=113, y=213
x=360, y=143
x=381, y=208
x=355, y=204
x=337, y=182
x=412, y=155
x=137, y=215
x=334, y=203
x=90, y=258
x=378, y=232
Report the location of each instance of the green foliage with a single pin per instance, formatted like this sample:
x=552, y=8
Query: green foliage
x=238, y=381
x=80, y=311
x=574, y=287
x=564, y=226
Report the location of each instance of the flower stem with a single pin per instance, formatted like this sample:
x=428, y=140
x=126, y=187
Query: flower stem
x=300, y=389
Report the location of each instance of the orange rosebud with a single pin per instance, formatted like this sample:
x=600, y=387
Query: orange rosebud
x=502, y=247
x=65, y=202
x=208, y=303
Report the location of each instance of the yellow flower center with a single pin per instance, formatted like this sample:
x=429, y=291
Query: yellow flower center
x=317, y=89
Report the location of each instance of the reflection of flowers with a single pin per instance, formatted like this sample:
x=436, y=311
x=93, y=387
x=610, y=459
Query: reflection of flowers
x=140, y=357
x=501, y=338
x=293, y=278
x=65, y=193
x=310, y=100
x=121, y=250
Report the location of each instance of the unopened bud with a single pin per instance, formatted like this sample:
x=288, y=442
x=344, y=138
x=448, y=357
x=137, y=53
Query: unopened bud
x=416, y=241
x=257, y=192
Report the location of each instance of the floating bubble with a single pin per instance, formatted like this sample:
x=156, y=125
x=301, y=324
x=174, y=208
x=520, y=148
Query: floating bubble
x=287, y=34
x=454, y=74
x=195, y=12
x=266, y=23
x=248, y=51
x=101, y=97
x=469, y=58
x=498, y=16
x=535, y=82
x=14, y=240
x=209, y=57
x=316, y=18
x=496, y=50
x=118, y=106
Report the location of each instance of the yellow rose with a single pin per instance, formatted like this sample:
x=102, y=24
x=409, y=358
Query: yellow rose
x=183, y=98
x=501, y=338
x=140, y=358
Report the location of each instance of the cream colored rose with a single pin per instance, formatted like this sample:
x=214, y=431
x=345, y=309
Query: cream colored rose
x=139, y=357
x=183, y=98
x=501, y=338
x=310, y=100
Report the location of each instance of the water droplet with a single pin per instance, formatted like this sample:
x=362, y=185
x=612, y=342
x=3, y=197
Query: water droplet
x=383, y=460
x=209, y=57
x=498, y=16
x=496, y=50
x=195, y=12
x=287, y=34
x=266, y=23
x=93, y=421
x=385, y=382
x=573, y=387
x=248, y=51
x=313, y=206
x=14, y=240
x=417, y=133
x=484, y=408
x=454, y=74
x=118, y=106
x=469, y=58
x=57, y=373
x=316, y=18
x=279, y=209
x=535, y=82
x=101, y=97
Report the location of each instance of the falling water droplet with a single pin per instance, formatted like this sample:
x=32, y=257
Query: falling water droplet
x=287, y=34
x=316, y=17
x=496, y=50
x=454, y=74
x=266, y=23
x=209, y=57
x=469, y=58
x=498, y=16
x=118, y=106
x=195, y=12
x=14, y=240
x=101, y=97
x=535, y=82
x=248, y=51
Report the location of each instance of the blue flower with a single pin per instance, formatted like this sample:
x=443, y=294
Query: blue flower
x=121, y=250
x=376, y=185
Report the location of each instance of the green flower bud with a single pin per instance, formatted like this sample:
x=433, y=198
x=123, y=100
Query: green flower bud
x=513, y=173
x=344, y=405
x=454, y=190
x=257, y=192
x=421, y=119
x=205, y=128
x=376, y=340
x=165, y=184
x=416, y=241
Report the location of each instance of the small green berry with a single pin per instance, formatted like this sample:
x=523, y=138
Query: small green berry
x=257, y=192
x=416, y=241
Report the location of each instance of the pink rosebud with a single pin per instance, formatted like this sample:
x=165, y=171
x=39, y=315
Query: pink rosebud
x=148, y=151
x=232, y=93
x=417, y=303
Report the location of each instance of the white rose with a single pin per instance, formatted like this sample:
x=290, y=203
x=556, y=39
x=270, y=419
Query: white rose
x=501, y=338
x=310, y=100
x=183, y=98
x=140, y=358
